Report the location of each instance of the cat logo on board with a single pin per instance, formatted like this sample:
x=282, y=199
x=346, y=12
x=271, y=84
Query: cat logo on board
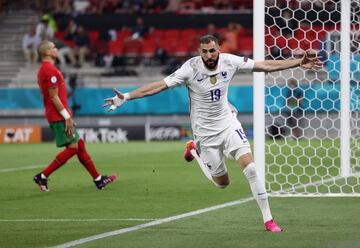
x=26, y=134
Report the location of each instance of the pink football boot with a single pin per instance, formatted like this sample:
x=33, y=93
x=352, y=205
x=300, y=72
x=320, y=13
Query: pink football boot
x=271, y=226
x=187, y=154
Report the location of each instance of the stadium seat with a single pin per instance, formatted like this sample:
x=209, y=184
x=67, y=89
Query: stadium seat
x=93, y=36
x=157, y=33
x=168, y=45
x=132, y=51
x=123, y=34
x=59, y=35
x=116, y=48
x=171, y=33
x=149, y=47
x=182, y=48
x=188, y=32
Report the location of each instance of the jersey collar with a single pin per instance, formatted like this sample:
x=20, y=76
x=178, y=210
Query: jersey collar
x=206, y=71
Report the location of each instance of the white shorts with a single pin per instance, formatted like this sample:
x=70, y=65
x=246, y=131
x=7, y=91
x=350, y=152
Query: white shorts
x=231, y=142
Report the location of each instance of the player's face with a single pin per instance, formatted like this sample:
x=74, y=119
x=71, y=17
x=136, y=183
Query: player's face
x=210, y=54
x=52, y=51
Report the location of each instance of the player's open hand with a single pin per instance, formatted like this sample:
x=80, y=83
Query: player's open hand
x=70, y=127
x=311, y=62
x=115, y=101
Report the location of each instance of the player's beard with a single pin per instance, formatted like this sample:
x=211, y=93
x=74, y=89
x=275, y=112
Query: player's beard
x=53, y=56
x=211, y=63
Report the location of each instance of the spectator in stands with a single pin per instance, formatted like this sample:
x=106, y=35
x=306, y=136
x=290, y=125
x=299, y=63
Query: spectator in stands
x=294, y=111
x=153, y=6
x=30, y=44
x=139, y=29
x=64, y=52
x=63, y=6
x=44, y=31
x=229, y=44
x=82, y=45
x=51, y=21
x=173, y=6
x=100, y=48
x=287, y=23
x=70, y=30
x=80, y=6
x=211, y=30
x=222, y=4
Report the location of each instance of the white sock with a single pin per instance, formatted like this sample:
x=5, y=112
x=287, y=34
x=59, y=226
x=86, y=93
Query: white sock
x=202, y=165
x=258, y=191
x=43, y=176
x=98, y=178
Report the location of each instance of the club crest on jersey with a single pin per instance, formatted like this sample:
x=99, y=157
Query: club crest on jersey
x=213, y=79
x=224, y=74
x=53, y=79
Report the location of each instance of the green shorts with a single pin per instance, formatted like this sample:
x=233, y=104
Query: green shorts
x=61, y=137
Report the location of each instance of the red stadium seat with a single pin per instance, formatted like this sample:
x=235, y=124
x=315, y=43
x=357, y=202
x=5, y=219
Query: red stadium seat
x=93, y=36
x=182, y=48
x=171, y=33
x=59, y=35
x=149, y=48
x=168, y=44
x=158, y=33
x=188, y=32
x=116, y=48
x=123, y=34
x=133, y=48
x=70, y=43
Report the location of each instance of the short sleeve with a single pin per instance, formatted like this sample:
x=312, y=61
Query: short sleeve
x=51, y=78
x=242, y=63
x=179, y=77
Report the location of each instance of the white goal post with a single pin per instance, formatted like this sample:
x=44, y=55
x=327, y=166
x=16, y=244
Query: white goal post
x=307, y=124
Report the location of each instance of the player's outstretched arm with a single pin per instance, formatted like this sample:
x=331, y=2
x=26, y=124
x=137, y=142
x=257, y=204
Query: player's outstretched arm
x=307, y=62
x=146, y=90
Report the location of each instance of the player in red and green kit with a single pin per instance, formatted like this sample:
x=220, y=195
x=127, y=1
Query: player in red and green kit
x=58, y=114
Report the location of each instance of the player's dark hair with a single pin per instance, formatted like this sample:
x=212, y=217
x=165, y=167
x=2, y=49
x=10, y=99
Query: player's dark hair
x=206, y=39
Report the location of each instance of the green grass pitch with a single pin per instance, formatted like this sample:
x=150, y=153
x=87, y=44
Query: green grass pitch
x=154, y=182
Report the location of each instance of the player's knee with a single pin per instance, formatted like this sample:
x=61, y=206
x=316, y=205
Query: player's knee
x=81, y=144
x=222, y=185
x=250, y=171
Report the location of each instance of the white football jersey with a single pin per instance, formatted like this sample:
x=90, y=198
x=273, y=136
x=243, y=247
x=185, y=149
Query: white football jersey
x=208, y=91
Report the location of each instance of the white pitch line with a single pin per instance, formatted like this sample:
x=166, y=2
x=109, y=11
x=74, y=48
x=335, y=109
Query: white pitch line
x=72, y=220
x=30, y=167
x=152, y=223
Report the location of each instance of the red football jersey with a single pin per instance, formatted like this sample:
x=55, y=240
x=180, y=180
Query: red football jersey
x=49, y=76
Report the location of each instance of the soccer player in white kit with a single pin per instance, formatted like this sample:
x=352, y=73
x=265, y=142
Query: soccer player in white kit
x=217, y=132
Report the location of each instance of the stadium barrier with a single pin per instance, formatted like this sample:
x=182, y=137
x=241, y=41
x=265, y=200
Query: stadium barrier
x=175, y=101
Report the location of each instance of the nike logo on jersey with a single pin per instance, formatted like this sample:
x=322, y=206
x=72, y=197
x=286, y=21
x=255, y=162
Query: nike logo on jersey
x=201, y=78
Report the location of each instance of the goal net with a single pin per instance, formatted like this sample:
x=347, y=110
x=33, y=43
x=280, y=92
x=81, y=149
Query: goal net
x=312, y=119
